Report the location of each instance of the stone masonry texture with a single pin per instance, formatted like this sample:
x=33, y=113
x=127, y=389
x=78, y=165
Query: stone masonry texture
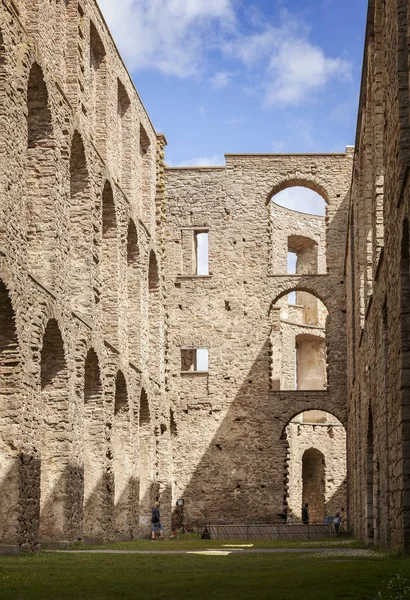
x=105, y=403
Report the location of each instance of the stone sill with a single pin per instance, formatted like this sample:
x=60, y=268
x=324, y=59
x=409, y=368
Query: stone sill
x=182, y=277
x=310, y=392
x=194, y=372
x=318, y=424
x=304, y=325
x=298, y=275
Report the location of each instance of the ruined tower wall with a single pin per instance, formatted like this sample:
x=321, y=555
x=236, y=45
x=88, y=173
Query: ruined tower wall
x=377, y=264
x=79, y=255
x=229, y=444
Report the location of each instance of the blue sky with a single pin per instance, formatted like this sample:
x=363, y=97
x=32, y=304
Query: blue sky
x=226, y=76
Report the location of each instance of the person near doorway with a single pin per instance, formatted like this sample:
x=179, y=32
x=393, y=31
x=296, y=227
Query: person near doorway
x=305, y=514
x=156, y=522
x=336, y=523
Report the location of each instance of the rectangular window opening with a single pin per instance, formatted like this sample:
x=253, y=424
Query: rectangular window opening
x=201, y=242
x=292, y=259
x=194, y=360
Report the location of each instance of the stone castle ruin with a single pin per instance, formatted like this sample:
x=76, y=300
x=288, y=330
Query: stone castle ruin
x=154, y=340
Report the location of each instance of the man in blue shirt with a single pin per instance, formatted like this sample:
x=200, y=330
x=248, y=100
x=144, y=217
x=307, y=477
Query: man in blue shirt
x=156, y=522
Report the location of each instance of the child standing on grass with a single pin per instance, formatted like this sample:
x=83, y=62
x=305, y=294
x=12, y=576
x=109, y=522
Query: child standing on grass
x=156, y=522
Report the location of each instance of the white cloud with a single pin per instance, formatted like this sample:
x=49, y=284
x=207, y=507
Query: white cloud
x=171, y=36
x=216, y=160
x=220, y=80
x=182, y=37
x=299, y=69
x=301, y=199
x=293, y=68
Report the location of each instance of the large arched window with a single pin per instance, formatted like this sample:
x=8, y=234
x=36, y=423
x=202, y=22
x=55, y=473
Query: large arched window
x=124, y=136
x=10, y=411
x=109, y=265
x=301, y=199
x=98, y=89
x=122, y=459
x=145, y=453
x=93, y=449
x=316, y=465
x=298, y=342
x=298, y=231
x=56, y=436
x=134, y=294
x=40, y=181
x=146, y=177
x=81, y=230
x=154, y=314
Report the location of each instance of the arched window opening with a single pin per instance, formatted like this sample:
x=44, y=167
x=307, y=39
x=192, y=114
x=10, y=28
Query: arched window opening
x=147, y=176
x=303, y=255
x=10, y=410
x=146, y=455
x=109, y=266
x=153, y=277
x=154, y=314
x=94, y=449
x=40, y=181
x=81, y=229
x=301, y=199
x=98, y=86
x=298, y=343
x=316, y=466
x=310, y=362
x=173, y=424
x=124, y=135
x=56, y=437
x=144, y=414
x=371, y=480
x=121, y=447
x=134, y=293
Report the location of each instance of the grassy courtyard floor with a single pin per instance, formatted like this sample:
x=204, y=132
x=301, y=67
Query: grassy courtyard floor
x=344, y=573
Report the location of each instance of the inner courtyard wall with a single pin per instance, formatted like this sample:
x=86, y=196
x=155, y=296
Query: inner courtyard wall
x=230, y=449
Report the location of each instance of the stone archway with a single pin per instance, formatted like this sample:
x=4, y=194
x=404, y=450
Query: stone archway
x=316, y=465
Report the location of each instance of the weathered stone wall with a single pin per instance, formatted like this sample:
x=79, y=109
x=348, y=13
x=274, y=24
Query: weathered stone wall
x=81, y=293
x=377, y=265
x=230, y=448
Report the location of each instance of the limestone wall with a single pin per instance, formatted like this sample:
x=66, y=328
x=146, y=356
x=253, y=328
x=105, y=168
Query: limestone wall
x=79, y=249
x=230, y=451
x=377, y=264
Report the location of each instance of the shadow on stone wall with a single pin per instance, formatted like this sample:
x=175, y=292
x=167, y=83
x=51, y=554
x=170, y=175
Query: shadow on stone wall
x=242, y=474
x=60, y=517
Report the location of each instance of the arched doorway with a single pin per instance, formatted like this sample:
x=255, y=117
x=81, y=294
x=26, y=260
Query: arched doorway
x=316, y=467
x=313, y=482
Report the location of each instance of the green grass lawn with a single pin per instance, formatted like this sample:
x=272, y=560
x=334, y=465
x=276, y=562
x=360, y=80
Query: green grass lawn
x=193, y=542
x=69, y=576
